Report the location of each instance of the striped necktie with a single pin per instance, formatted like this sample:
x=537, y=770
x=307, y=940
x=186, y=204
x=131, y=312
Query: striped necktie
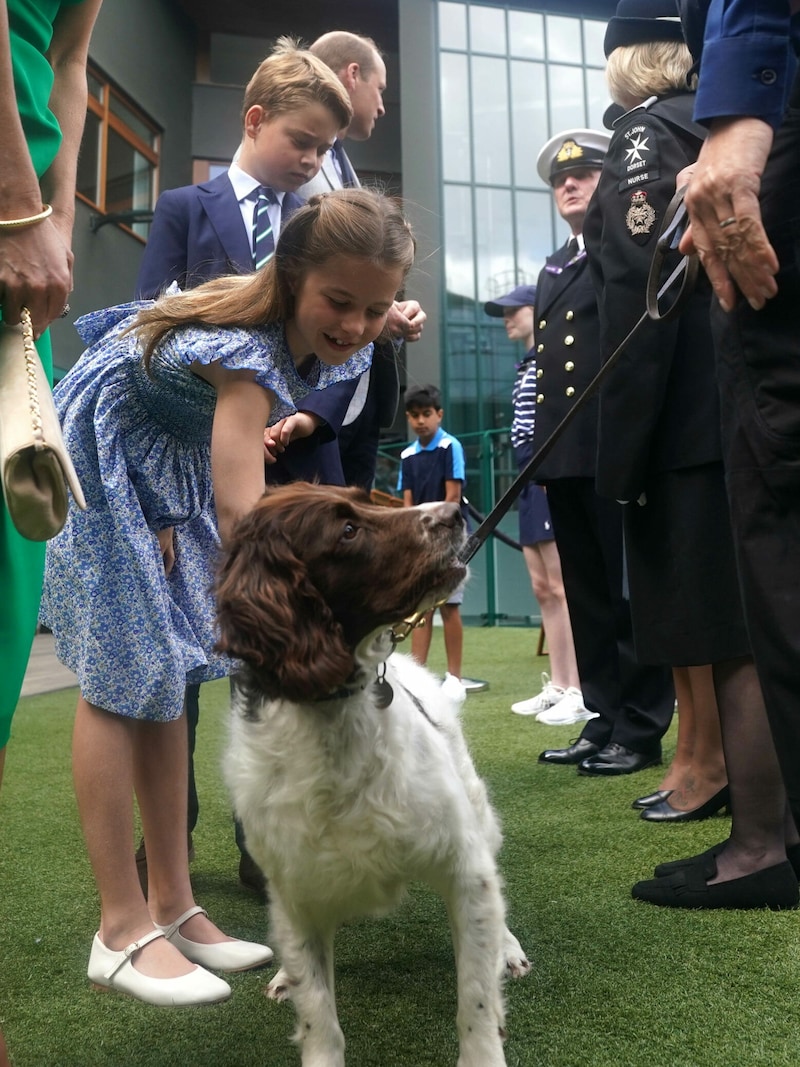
x=263, y=237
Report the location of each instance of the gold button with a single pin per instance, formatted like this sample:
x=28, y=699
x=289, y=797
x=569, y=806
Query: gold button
x=570, y=316
x=569, y=365
x=539, y=372
x=542, y=323
x=540, y=348
x=540, y=398
x=570, y=391
x=569, y=339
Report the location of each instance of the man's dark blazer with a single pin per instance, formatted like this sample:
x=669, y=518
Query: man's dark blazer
x=197, y=234
x=566, y=341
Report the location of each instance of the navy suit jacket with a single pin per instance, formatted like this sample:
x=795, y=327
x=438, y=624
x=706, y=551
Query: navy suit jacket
x=197, y=234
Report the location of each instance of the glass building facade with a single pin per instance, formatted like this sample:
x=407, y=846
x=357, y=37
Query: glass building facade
x=509, y=79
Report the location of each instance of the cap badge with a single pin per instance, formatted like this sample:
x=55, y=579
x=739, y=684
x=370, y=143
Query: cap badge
x=569, y=150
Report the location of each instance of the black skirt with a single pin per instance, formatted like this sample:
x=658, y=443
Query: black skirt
x=684, y=589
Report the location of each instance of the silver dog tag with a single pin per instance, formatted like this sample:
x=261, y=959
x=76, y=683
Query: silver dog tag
x=382, y=692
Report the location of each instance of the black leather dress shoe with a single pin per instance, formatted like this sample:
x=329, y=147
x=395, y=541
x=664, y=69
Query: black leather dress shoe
x=652, y=799
x=774, y=888
x=664, y=812
x=616, y=759
x=576, y=752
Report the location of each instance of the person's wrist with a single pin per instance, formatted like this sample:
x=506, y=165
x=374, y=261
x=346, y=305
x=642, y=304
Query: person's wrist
x=24, y=221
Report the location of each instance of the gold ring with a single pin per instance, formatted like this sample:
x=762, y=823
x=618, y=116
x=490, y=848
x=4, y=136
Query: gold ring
x=727, y=222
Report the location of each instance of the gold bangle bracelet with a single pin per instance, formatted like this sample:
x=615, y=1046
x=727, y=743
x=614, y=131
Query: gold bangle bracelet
x=18, y=224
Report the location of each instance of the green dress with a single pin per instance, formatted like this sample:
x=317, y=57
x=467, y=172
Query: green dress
x=21, y=561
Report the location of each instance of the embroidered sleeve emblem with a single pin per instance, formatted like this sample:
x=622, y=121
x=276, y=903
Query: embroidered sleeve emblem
x=641, y=216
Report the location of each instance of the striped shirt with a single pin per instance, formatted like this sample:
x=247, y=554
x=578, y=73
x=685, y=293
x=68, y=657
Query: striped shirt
x=523, y=399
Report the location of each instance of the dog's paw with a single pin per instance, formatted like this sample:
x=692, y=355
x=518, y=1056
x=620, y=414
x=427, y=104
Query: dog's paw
x=279, y=987
x=515, y=962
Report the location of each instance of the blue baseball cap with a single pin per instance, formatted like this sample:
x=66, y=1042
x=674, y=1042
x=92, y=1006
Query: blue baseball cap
x=522, y=297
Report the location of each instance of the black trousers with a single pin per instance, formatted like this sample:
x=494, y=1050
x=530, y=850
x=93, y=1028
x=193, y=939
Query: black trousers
x=758, y=358
x=635, y=703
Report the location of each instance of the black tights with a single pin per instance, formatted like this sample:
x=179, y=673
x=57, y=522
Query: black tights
x=762, y=824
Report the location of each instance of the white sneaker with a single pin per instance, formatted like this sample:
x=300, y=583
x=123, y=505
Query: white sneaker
x=550, y=695
x=568, y=710
x=452, y=688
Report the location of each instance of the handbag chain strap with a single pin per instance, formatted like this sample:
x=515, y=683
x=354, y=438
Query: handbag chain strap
x=31, y=360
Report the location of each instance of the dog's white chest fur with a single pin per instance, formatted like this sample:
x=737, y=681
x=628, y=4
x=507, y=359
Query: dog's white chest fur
x=345, y=801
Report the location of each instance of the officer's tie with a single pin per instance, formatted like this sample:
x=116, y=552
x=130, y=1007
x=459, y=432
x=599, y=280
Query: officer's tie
x=263, y=237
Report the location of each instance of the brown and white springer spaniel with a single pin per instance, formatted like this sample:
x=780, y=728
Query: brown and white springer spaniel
x=347, y=765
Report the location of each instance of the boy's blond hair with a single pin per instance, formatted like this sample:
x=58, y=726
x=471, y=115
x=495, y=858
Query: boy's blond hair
x=291, y=78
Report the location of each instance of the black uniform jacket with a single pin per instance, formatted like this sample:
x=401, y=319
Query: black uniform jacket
x=567, y=358
x=659, y=408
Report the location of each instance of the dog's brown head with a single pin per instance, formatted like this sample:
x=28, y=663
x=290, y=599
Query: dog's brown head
x=313, y=570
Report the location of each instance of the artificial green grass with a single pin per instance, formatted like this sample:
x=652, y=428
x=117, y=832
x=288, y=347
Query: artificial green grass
x=615, y=983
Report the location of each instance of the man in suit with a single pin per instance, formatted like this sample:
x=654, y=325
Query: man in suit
x=633, y=704
x=359, y=67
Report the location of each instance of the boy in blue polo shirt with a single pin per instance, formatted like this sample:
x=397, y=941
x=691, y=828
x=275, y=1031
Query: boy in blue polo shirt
x=432, y=469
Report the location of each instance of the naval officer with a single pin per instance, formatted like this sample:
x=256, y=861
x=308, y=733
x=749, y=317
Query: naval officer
x=633, y=703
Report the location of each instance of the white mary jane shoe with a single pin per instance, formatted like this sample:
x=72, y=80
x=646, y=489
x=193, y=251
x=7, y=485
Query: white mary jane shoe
x=115, y=970
x=221, y=956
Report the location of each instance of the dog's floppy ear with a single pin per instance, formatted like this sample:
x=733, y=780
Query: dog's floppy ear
x=272, y=617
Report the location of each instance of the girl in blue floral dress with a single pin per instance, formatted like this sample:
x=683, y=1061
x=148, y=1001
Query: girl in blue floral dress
x=165, y=416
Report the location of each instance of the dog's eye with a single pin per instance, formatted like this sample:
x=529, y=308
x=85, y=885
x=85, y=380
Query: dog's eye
x=349, y=531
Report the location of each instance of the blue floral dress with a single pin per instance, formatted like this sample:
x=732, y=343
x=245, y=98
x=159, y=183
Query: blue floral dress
x=141, y=446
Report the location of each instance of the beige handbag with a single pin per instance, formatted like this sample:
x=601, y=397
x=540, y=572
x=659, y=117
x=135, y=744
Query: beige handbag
x=34, y=462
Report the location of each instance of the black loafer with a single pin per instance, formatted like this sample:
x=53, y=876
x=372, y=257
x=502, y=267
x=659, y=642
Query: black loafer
x=774, y=888
x=652, y=799
x=577, y=751
x=664, y=812
x=616, y=759
x=707, y=861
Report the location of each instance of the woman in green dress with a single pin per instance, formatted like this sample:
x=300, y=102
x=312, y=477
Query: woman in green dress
x=43, y=50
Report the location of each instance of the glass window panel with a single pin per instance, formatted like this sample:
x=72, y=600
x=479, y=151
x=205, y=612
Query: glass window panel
x=593, y=36
x=535, y=236
x=88, y=182
x=598, y=98
x=492, y=150
x=129, y=177
x=528, y=119
x=526, y=34
x=96, y=87
x=563, y=40
x=453, y=26
x=487, y=29
x=567, y=108
x=132, y=120
x=456, y=154
x=494, y=245
x=459, y=264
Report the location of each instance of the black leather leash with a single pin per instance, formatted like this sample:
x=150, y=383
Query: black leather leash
x=672, y=229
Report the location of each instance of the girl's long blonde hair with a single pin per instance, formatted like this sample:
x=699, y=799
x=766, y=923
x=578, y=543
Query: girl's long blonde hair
x=352, y=222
